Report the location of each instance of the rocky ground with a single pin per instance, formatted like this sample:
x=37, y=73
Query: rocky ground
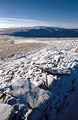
x=41, y=84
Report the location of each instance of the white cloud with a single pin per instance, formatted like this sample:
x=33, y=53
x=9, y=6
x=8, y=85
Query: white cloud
x=20, y=20
x=15, y=22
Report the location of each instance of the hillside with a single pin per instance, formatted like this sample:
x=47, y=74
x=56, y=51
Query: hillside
x=40, y=32
x=41, y=85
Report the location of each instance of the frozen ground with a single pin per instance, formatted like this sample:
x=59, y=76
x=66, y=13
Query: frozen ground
x=41, y=85
x=17, y=41
x=11, y=46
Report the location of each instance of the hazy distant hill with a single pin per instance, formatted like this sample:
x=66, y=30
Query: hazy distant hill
x=40, y=32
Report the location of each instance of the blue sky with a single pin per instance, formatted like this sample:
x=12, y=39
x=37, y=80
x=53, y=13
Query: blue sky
x=60, y=13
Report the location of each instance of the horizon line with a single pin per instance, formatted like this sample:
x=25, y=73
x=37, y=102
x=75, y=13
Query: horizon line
x=17, y=22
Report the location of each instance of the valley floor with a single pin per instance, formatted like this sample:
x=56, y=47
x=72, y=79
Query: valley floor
x=41, y=84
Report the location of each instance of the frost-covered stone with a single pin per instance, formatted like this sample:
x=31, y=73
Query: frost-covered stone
x=6, y=112
x=12, y=101
x=29, y=93
x=49, y=79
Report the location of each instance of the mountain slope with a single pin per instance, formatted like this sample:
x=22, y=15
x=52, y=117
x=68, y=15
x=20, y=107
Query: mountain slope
x=40, y=32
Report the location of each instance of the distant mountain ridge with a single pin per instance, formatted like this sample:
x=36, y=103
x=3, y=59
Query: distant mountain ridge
x=40, y=31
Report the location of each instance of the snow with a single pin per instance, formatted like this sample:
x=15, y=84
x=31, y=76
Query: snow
x=18, y=41
x=43, y=84
x=6, y=112
x=28, y=93
x=0, y=72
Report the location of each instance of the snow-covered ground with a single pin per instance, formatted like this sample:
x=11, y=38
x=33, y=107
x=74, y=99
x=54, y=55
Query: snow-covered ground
x=42, y=85
x=17, y=41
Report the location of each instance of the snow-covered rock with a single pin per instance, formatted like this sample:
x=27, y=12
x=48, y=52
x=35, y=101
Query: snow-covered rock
x=29, y=93
x=6, y=112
